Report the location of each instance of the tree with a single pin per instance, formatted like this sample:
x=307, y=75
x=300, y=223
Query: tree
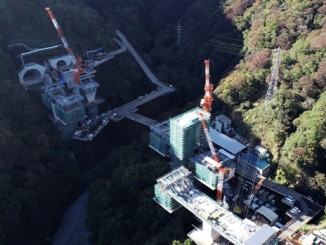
x=259, y=60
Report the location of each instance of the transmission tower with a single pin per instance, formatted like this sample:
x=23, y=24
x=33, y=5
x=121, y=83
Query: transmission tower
x=178, y=30
x=272, y=86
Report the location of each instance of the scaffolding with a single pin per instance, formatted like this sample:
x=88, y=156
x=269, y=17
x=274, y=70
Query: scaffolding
x=48, y=93
x=164, y=199
x=68, y=109
x=206, y=174
x=186, y=132
x=205, y=170
x=255, y=164
x=159, y=138
x=161, y=196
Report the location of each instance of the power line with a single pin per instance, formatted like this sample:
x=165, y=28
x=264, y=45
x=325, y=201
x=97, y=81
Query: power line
x=227, y=52
x=231, y=48
x=236, y=46
x=235, y=39
x=226, y=46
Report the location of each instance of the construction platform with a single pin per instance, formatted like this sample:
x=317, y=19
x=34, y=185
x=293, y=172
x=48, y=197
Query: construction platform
x=217, y=221
x=129, y=109
x=90, y=127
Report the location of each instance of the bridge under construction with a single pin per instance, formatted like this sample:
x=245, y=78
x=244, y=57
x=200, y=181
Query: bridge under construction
x=69, y=90
x=176, y=189
x=129, y=109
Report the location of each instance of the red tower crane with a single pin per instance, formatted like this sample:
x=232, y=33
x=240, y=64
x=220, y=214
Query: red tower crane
x=253, y=193
x=207, y=100
x=77, y=71
x=221, y=170
x=206, y=104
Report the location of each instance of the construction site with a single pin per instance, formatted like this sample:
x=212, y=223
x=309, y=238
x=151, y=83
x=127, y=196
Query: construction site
x=210, y=155
x=68, y=88
x=204, y=153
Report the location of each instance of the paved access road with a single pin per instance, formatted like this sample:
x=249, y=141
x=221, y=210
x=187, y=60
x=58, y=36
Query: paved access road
x=128, y=110
x=309, y=208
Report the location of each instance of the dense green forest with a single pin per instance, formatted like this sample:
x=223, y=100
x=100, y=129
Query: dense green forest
x=150, y=27
x=121, y=208
x=294, y=126
x=38, y=176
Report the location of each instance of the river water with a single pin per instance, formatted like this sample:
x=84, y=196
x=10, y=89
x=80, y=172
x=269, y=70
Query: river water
x=73, y=229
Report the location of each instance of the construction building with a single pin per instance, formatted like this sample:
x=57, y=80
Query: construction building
x=222, y=123
x=68, y=89
x=231, y=145
x=186, y=132
x=266, y=215
x=256, y=164
x=182, y=139
x=205, y=170
x=176, y=188
x=68, y=102
x=179, y=136
x=262, y=153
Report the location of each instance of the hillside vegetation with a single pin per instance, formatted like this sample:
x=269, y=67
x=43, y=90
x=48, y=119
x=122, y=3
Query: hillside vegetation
x=122, y=210
x=294, y=126
x=38, y=177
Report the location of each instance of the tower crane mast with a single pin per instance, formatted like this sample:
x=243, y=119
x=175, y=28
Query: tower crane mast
x=254, y=192
x=208, y=138
x=207, y=100
x=221, y=171
x=252, y=195
x=206, y=104
x=77, y=71
x=62, y=37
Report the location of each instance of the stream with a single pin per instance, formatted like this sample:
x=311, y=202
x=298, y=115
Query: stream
x=73, y=229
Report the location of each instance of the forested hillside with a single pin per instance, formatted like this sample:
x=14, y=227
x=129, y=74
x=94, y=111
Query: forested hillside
x=38, y=177
x=150, y=26
x=294, y=126
x=122, y=210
